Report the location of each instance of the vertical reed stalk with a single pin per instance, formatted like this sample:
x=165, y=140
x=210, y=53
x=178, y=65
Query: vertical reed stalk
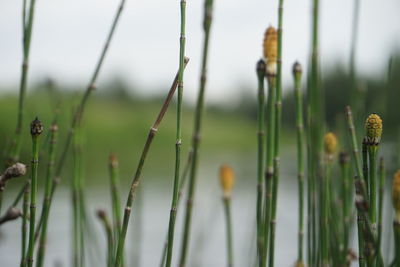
x=178, y=144
x=36, y=130
x=207, y=21
x=315, y=113
x=297, y=71
x=380, y=200
x=372, y=151
x=47, y=193
x=277, y=128
x=101, y=214
x=269, y=163
x=136, y=178
x=325, y=206
x=115, y=195
x=24, y=230
x=365, y=165
x=182, y=182
x=26, y=41
x=347, y=200
x=78, y=114
x=356, y=160
x=260, y=154
x=229, y=240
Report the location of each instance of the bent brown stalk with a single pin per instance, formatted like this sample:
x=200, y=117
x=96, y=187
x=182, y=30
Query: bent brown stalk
x=136, y=179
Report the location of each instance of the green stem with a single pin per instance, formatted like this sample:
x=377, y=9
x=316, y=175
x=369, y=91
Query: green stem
x=325, y=195
x=109, y=233
x=347, y=203
x=180, y=193
x=365, y=166
x=207, y=20
x=25, y=208
x=269, y=164
x=35, y=161
x=47, y=193
x=260, y=155
x=300, y=162
x=277, y=134
x=372, y=150
x=115, y=196
x=356, y=160
x=27, y=36
x=380, y=201
x=178, y=144
x=136, y=178
x=229, y=240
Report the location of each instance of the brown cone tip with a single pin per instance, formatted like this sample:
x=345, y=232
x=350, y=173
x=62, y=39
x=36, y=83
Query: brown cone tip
x=36, y=127
x=261, y=68
x=297, y=69
x=101, y=213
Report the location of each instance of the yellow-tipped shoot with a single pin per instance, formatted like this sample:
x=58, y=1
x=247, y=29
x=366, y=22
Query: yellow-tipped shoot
x=373, y=129
x=330, y=143
x=227, y=179
x=271, y=49
x=396, y=194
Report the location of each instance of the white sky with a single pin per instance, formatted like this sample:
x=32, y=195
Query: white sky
x=69, y=34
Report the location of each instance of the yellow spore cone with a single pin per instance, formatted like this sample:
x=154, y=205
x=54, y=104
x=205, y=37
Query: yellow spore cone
x=396, y=194
x=227, y=179
x=373, y=129
x=330, y=143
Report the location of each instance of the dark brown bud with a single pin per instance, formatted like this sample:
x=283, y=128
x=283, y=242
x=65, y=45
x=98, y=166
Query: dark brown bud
x=297, y=69
x=261, y=69
x=101, y=214
x=11, y=214
x=36, y=127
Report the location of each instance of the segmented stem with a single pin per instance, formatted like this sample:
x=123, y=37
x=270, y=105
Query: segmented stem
x=229, y=239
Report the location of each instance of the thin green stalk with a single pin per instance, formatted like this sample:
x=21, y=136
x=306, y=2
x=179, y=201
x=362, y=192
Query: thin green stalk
x=115, y=196
x=300, y=156
x=347, y=202
x=47, y=193
x=325, y=206
x=372, y=151
x=24, y=230
x=269, y=163
x=356, y=160
x=101, y=214
x=277, y=128
x=229, y=240
x=180, y=193
x=380, y=201
x=365, y=165
x=178, y=144
x=136, y=179
x=78, y=114
x=316, y=121
x=260, y=155
x=207, y=21
x=36, y=130
x=26, y=41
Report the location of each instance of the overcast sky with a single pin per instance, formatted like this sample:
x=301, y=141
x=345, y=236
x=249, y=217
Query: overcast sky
x=68, y=36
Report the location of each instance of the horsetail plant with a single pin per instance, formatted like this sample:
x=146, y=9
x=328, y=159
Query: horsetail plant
x=346, y=195
x=136, y=178
x=207, y=21
x=36, y=130
x=27, y=25
x=297, y=73
x=24, y=226
x=277, y=135
x=47, y=193
x=227, y=179
x=178, y=144
x=330, y=147
x=182, y=182
x=115, y=195
x=380, y=199
x=260, y=154
x=102, y=215
x=396, y=222
x=270, y=53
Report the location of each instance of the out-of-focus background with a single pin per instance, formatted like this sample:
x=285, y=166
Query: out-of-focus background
x=141, y=63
